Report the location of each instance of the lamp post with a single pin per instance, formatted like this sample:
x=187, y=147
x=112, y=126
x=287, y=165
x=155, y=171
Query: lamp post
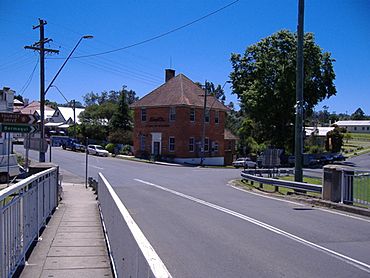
x=42, y=101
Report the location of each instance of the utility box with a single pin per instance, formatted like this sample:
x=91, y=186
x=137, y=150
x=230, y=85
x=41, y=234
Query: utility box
x=338, y=184
x=331, y=190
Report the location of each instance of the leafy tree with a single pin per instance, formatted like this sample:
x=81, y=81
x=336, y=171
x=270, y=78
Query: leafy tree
x=264, y=80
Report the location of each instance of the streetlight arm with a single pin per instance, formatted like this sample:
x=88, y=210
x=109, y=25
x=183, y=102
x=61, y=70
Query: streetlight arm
x=66, y=60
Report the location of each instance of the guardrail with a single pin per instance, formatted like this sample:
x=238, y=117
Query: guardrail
x=283, y=183
x=131, y=253
x=24, y=209
x=355, y=187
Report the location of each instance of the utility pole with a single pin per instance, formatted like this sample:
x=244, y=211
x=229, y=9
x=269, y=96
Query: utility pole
x=40, y=46
x=74, y=118
x=204, y=123
x=298, y=150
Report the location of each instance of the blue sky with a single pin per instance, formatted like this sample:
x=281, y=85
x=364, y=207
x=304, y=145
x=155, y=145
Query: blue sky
x=200, y=51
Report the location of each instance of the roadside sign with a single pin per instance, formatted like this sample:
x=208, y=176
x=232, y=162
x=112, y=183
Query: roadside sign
x=15, y=128
x=35, y=145
x=14, y=118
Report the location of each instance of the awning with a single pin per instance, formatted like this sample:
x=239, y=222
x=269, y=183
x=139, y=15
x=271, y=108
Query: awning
x=53, y=124
x=64, y=126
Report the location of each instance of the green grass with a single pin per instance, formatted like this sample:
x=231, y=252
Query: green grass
x=358, y=144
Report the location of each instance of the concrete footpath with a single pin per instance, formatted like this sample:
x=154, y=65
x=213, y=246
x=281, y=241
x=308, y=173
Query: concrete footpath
x=73, y=242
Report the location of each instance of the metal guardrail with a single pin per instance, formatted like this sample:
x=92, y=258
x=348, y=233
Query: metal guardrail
x=355, y=187
x=283, y=183
x=130, y=251
x=24, y=209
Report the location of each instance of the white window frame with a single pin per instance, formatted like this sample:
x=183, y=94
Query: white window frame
x=143, y=113
x=192, y=115
x=206, y=144
x=217, y=117
x=172, y=115
x=191, y=144
x=171, y=144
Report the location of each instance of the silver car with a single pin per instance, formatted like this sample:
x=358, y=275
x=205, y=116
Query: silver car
x=244, y=162
x=97, y=150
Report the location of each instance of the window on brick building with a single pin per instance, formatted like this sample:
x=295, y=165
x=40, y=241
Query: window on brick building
x=215, y=147
x=207, y=116
x=142, y=142
x=206, y=144
x=143, y=114
x=172, y=114
x=171, y=146
x=192, y=114
x=191, y=144
x=217, y=117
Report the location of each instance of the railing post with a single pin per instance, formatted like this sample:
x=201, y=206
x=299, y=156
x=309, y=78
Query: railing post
x=2, y=243
x=342, y=188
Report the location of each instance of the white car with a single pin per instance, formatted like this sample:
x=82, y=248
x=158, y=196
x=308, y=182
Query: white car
x=244, y=162
x=97, y=150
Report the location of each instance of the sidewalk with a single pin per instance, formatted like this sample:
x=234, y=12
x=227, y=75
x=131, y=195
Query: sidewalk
x=73, y=243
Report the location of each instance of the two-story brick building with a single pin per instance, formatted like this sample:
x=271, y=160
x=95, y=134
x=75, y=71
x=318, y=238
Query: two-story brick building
x=168, y=123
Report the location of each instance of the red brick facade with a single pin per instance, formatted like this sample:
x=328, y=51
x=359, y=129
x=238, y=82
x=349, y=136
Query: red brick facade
x=182, y=129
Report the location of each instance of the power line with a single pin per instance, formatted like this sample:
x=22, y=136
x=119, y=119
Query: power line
x=158, y=36
x=28, y=82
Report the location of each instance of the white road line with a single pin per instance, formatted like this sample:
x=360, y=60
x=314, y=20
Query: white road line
x=356, y=263
x=300, y=204
x=96, y=167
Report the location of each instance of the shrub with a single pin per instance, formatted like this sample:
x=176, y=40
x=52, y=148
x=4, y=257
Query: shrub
x=110, y=147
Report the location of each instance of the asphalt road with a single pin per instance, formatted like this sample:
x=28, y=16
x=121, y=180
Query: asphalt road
x=202, y=227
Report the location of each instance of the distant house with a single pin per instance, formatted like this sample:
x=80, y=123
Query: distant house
x=319, y=134
x=168, y=123
x=231, y=141
x=62, y=118
x=355, y=126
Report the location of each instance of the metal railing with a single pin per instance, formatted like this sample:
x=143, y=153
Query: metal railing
x=131, y=253
x=283, y=183
x=24, y=209
x=355, y=187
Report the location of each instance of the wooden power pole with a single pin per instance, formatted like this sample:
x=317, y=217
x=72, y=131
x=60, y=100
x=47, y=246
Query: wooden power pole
x=40, y=46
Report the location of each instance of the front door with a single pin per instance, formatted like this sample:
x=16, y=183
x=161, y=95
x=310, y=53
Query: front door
x=156, y=146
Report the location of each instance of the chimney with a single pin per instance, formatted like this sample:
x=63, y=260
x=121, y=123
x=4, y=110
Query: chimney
x=170, y=73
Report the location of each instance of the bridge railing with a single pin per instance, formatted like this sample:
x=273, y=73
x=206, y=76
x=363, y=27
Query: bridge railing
x=283, y=183
x=131, y=253
x=24, y=209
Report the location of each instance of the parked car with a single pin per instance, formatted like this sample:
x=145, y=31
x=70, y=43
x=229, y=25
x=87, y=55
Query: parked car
x=339, y=157
x=97, y=150
x=73, y=145
x=244, y=162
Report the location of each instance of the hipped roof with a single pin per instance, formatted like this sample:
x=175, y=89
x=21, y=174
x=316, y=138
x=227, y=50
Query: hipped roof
x=179, y=91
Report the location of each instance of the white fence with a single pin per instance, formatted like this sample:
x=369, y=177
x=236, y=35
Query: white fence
x=24, y=208
x=132, y=254
x=356, y=187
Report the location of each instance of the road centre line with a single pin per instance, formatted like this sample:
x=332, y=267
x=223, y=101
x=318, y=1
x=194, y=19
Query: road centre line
x=300, y=204
x=356, y=263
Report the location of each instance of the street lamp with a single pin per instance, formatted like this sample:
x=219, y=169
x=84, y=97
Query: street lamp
x=42, y=100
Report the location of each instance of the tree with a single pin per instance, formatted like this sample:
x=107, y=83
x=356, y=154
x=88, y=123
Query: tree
x=358, y=115
x=264, y=80
x=334, y=139
x=216, y=91
x=121, y=118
